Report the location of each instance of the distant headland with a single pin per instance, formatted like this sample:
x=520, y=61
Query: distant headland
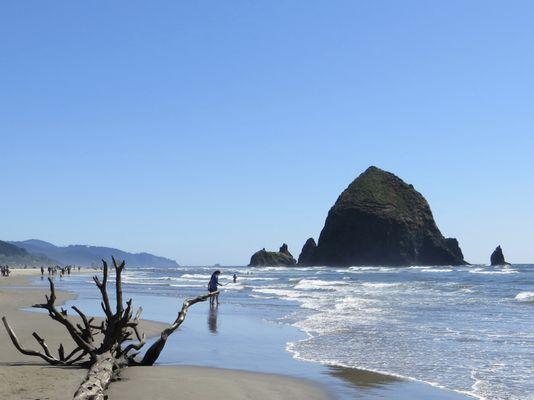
x=38, y=252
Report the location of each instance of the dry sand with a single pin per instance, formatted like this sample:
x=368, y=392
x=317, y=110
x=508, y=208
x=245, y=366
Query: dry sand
x=23, y=377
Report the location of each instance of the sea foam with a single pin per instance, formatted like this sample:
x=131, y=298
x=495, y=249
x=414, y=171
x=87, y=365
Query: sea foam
x=525, y=296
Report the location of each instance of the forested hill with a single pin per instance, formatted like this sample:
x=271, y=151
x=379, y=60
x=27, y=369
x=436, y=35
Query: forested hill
x=92, y=255
x=16, y=256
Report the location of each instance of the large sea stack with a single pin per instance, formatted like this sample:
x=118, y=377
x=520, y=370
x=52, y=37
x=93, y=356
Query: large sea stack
x=264, y=258
x=497, y=257
x=381, y=220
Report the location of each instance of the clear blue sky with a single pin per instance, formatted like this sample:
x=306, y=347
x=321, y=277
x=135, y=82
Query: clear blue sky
x=206, y=130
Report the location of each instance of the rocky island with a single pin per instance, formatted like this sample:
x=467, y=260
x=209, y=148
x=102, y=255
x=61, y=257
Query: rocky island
x=381, y=220
x=264, y=258
x=497, y=257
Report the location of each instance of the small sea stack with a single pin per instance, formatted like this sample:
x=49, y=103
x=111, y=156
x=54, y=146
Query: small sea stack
x=381, y=220
x=307, y=254
x=264, y=258
x=497, y=257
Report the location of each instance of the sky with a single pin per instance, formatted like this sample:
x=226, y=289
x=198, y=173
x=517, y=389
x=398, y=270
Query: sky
x=206, y=130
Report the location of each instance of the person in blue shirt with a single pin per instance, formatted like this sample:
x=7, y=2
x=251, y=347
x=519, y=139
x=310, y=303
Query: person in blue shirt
x=213, y=287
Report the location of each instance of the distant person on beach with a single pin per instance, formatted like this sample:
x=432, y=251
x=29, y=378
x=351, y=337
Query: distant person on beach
x=42, y=271
x=213, y=287
x=235, y=278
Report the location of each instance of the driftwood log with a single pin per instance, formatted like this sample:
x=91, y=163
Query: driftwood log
x=103, y=348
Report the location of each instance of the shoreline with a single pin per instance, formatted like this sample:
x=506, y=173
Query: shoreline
x=24, y=377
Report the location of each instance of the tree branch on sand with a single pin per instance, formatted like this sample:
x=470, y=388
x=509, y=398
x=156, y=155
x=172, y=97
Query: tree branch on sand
x=103, y=348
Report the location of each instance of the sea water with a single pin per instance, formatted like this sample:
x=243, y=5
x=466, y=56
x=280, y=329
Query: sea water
x=469, y=329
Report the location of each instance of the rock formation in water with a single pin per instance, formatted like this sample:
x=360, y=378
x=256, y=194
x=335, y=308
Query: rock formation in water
x=264, y=258
x=381, y=220
x=497, y=257
x=308, y=252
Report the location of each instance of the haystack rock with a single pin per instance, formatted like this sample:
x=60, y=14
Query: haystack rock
x=497, y=257
x=264, y=258
x=381, y=220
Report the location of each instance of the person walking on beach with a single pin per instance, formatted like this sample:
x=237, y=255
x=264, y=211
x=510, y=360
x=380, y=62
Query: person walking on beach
x=213, y=287
x=42, y=271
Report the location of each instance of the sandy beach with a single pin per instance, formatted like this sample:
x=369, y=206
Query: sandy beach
x=23, y=377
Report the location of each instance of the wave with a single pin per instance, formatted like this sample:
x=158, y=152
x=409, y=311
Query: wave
x=273, y=268
x=360, y=270
x=317, y=284
x=291, y=348
x=143, y=282
x=379, y=285
x=307, y=299
x=196, y=276
x=286, y=294
x=247, y=278
x=352, y=303
x=363, y=268
x=525, y=296
x=437, y=270
x=493, y=272
x=234, y=286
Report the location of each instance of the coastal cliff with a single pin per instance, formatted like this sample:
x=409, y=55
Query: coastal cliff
x=381, y=220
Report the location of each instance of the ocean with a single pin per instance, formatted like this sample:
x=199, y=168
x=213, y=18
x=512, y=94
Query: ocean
x=467, y=329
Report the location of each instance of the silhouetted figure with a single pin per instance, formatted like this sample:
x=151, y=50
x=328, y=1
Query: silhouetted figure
x=235, y=278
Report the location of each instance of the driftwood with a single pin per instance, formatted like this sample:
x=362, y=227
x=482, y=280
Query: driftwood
x=104, y=348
